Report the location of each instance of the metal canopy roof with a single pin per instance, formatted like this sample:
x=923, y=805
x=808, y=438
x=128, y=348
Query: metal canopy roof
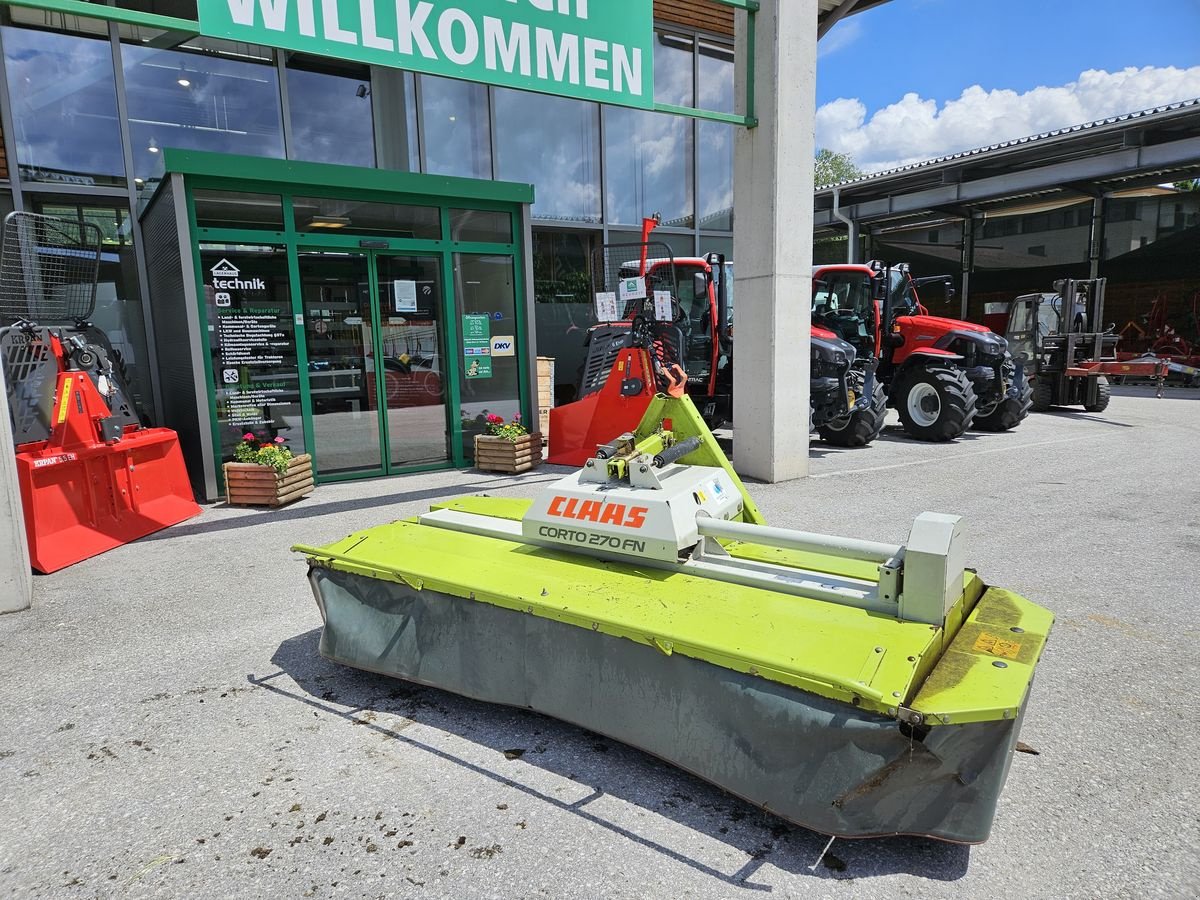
x=830, y=12
x=1155, y=146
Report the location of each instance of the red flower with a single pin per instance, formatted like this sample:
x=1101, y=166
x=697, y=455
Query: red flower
x=247, y=436
x=494, y=419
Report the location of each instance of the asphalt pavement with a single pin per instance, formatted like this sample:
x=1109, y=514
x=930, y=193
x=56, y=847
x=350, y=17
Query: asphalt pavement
x=168, y=728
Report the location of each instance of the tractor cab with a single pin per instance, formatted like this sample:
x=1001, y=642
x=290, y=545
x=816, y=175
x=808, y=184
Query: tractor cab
x=844, y=302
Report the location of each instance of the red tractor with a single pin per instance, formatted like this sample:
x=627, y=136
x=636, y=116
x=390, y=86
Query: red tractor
x=941, y=375
x=691, y=328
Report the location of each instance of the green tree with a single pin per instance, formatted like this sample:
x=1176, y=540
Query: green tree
x=834, y=167
x=1192, y=184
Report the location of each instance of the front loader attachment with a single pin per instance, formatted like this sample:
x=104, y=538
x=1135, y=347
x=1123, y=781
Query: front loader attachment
x=853, y=687
x=95, y=484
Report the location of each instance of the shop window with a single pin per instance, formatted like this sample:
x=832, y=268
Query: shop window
x=393, y=98
x=715, y=73
x=564, y=309
x=330, y=113
x=481, y=226
x=714, y=140
x=649, y=157
x=252, y=342
x=674, y=76
x=118, y=311
x=486, y=302
x=231, y=209
x=680, y=244
x=321, y=215
x=64, y=106
x=199, y=101
x=456, y=132
x=552, y=143
x=714, y=156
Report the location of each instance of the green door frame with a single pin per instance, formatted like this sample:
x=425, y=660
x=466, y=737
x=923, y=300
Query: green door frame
x=290, y=179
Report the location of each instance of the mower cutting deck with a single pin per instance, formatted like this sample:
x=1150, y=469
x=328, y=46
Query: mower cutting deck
x=853, y=687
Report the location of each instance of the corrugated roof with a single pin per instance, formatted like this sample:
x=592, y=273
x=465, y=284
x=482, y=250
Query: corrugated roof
x=1121, y=121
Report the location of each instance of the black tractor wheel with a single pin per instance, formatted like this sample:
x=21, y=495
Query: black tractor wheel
x=1103, y=395
x=935, y=403
x=859, y=428
x=1043, y=395
x=1008, y=413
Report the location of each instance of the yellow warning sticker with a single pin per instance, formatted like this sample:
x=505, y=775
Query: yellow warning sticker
x=63, y=400
x=852, y=399
x=997, y=646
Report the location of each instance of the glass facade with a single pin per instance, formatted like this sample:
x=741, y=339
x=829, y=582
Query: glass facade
x=63, y=98
x=597, y=170
x=557, y=148
x=330, y=113
x=199, y=101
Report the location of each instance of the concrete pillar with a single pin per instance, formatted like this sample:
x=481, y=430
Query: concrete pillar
x=16, y=579
x=773, y=228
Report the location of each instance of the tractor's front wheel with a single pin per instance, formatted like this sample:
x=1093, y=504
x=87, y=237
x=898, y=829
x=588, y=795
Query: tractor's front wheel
x=859, y=428
x=1103, y=395
x=935, y=403
x=1008, y=413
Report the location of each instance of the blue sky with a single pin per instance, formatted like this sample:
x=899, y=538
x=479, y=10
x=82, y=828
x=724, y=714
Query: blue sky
x=1019, y=61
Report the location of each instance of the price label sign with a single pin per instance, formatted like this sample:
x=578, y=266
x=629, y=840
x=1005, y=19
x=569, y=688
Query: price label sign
x=662, y=306
x=606, y=307
x=633, y=288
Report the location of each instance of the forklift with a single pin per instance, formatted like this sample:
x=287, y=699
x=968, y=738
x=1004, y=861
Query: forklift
x=1067, y=352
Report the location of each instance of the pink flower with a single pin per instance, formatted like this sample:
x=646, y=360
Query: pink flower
x=279, y=440
x=517, y=417
x=247, y=436
x=494, y=419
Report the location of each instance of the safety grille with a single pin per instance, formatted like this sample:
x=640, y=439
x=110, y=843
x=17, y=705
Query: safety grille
x=30, y=374
x=616, y=262
x=48, y=268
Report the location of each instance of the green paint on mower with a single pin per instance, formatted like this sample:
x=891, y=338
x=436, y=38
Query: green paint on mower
x=855, y=688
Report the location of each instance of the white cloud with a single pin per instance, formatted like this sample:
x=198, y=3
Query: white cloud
x=915, y=129
x=845, y=33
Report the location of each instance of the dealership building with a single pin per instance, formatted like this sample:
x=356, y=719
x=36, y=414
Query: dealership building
x=355, y=256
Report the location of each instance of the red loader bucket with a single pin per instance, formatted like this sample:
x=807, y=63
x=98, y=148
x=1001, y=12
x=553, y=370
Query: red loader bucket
x=87, y=500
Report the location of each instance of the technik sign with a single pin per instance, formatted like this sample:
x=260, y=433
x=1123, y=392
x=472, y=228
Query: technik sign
x=591, y=49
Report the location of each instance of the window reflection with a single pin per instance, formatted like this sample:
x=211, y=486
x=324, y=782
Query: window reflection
x=649, y=158
x=325, y=215
x=673, y=76
x=715, y=70
x=198, y=102
x=552, y=143
x=482, y=226
x=331, y=115
x=64, y=106
x=455, y=117
x=118, y=311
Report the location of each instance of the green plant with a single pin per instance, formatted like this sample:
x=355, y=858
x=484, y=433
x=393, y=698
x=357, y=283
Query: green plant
x=265, y=452
x=510, y=431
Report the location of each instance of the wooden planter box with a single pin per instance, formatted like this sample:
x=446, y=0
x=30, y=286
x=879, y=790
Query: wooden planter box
x=251, y=484
x=496, y=454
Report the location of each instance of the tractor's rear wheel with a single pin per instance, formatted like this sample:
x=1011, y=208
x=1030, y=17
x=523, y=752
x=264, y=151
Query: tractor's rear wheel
x=935, y=403
x=859, y=428
x=1008, y=413
x=1043, y=395
x=1103, y=395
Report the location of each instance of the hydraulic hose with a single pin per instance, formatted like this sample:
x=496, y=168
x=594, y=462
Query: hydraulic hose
x=676, y=451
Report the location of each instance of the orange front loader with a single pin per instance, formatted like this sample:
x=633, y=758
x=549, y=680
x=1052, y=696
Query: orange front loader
x=91, y=476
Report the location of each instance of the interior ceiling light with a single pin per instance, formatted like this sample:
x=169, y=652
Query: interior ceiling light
x=183, y=80
x=152, y=146
x=329, y=222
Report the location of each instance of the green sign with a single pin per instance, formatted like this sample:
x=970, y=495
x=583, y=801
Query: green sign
x=477, y=346
x=591, y=49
